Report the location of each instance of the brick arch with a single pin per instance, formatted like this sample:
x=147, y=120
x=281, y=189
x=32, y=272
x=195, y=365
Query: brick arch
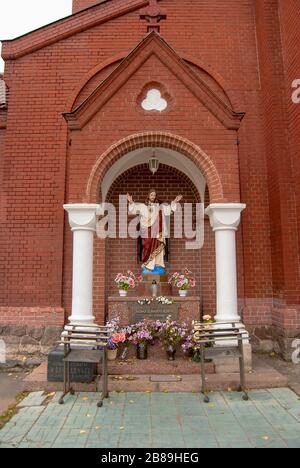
x=158, y=140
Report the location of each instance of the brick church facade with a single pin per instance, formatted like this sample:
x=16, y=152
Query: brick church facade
x=73, y=131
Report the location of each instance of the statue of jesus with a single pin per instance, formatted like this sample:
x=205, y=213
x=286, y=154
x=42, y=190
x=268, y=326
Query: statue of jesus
x=152, y=220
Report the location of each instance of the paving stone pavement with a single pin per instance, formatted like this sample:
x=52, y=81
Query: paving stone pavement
x=271, y=419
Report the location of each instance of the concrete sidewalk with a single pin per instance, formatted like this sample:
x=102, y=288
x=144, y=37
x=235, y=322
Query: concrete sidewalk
x=271, y=419
x=10, y=385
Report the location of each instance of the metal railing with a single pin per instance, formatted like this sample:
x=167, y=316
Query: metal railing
x=85, y=344
x=221, y=338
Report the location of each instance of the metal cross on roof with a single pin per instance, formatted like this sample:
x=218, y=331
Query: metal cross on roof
x=153, y=15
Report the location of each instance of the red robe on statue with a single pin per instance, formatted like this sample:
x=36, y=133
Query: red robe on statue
x=152, y=239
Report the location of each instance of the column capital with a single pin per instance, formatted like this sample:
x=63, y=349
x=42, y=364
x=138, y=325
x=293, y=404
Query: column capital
x=82, y=216
x=225, y=216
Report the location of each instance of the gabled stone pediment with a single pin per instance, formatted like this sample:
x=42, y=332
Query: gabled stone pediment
x=153, y=45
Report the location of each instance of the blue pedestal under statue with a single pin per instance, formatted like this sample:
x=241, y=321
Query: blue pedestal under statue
x=155, y=279
x=158, y=270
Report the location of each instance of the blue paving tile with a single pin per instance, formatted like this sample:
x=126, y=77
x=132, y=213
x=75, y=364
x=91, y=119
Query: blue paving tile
x=271, y=419
x=33, y=399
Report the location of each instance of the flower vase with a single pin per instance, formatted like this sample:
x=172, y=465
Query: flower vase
x=112, y=354
x=142, y=351
x=171, y=354
x=196, y=357
x=183, y=292
x=123, y=293
x=124, y=353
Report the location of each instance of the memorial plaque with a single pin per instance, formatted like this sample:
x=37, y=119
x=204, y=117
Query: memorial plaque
x=152, y=311
x=81, y=372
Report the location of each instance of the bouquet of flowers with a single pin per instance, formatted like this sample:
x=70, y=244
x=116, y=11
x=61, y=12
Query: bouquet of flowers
x=161, y=300
x=145, y=301
x=172, y=334
x=113, y=325
x=183, y=281
x=117, y=336
x=154, y=327
x=115, y=340
x=127, y=332
x=141, y=333
x=189, y=346
x=128, y=281
x=164, y=300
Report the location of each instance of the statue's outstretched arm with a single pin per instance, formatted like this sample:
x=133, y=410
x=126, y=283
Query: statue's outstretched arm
x=134, y=208
x=169, y=209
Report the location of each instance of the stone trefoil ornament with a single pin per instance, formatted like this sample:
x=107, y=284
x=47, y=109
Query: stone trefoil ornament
x=154, y=101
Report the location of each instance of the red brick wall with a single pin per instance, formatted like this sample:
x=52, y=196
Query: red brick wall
x=82, y=4
x=38, y=316
x=290, y=36
x=46, y=166
x=273, y=26
x=2, y=195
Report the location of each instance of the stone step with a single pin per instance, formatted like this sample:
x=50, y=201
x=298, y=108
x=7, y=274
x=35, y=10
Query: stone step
x=158, y=365
x=262, y=377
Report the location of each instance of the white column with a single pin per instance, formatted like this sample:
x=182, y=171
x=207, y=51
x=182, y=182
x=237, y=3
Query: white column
x=225, y=219
x=82, y=219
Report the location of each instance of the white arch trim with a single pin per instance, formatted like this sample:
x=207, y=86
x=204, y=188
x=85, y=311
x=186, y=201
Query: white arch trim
x=166, y=156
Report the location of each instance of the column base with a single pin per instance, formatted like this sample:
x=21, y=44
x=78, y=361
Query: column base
x=221, y=319
x=81, y=320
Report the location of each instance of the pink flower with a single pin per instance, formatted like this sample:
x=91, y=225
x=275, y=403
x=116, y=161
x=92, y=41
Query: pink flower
x=119, y=338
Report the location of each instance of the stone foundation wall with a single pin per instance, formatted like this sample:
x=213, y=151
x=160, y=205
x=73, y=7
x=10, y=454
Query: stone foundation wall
x=283, y=340
x=28, y=344
x=270, y=338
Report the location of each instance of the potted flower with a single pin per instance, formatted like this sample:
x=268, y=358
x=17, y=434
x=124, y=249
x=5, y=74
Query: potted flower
x=116, y=337
x=113, y=344
x=140, y=337
x=126, y=282
x=183, y=281
x=172, y=334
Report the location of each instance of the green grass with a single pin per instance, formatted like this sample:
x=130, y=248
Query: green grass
x=12, y=409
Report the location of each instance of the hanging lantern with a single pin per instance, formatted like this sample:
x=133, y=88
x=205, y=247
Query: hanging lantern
x=153, y=163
